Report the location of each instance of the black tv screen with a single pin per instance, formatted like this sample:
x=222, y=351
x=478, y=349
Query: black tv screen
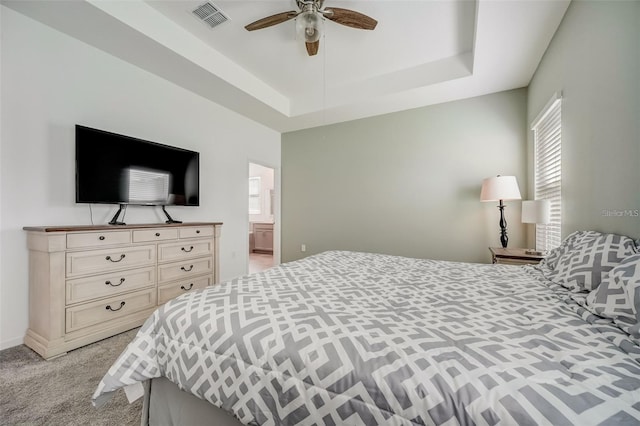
x=118, y=169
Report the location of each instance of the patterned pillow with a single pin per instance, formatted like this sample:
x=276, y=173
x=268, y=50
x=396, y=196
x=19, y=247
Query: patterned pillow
x=587, y=257
x=550, y=261
x=618, y=296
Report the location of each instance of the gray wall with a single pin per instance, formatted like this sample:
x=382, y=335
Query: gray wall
x=594, y=59
x=406, y=183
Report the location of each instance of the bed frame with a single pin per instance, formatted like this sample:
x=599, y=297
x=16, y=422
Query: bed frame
x=165, y=404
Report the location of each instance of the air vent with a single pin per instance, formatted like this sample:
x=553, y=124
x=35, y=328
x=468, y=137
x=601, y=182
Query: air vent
x=210, y=14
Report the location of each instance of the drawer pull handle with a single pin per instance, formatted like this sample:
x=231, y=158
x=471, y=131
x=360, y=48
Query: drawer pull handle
x=157, y=234
x=197, y=231
x=187, y=289
x=109, y=308
x=115, y=261
x=185, y=269
x=187, y=251
x=114, y=285
x=101, y=237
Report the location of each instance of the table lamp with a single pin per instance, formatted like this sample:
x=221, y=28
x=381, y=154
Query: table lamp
x=538, y=212
x=500, y=188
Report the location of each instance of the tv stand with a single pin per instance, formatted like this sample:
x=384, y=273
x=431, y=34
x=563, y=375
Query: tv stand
x=114, y=219
x=169, y=218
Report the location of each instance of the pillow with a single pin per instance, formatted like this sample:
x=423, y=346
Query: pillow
x=587, y=257
x=618, y=296
x=550, y=261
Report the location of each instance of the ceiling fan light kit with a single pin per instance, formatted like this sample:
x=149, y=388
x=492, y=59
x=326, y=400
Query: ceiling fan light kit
x=309, y=26
x=310, y=18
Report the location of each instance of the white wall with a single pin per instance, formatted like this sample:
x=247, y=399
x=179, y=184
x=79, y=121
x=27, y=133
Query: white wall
x=594, y=60
x=406, y=183
x=50, y=82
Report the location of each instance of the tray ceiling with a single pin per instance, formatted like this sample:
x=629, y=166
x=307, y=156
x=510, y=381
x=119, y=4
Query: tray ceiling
x=422, y=52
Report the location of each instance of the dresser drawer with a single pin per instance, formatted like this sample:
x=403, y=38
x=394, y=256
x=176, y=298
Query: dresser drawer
x=172, y=290
x=110, y=309
x=156, y=234
x=95, y=261
x=95, y=287
x=185, y=269
x=184, y=250
x=97, y=239
x=195, y=231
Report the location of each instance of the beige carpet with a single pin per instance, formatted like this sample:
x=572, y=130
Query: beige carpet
x=58, y=392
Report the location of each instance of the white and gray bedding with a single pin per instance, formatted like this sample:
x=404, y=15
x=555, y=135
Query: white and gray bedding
x=357, y=338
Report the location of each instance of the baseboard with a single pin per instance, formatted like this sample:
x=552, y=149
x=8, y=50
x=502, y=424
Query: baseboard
x=6, y=344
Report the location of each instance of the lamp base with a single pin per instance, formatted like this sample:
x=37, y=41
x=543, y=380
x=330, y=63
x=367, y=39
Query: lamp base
x=504, y=239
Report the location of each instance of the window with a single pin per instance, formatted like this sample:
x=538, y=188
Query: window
x=547, y=137
x=255, y=186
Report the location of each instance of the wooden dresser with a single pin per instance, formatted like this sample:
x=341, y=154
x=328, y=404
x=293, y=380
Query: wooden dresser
x=87, y=283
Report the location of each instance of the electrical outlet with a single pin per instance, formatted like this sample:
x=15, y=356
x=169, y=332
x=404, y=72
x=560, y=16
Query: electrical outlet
x=303, y=248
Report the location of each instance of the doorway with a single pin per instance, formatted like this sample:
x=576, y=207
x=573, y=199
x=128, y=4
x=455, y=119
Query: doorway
x=261, y=217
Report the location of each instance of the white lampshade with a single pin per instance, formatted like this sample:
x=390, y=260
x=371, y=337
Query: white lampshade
x=536, y=211
x=500, y=188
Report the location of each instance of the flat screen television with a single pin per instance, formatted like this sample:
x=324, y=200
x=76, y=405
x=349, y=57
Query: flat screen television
x=118, y=169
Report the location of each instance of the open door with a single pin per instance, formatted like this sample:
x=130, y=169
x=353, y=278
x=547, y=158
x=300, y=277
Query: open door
x=261, y=217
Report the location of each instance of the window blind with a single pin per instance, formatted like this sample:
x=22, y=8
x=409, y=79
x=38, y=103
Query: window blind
x=255, y=185
x=547, y=129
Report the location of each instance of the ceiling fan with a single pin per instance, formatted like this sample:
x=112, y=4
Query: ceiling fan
x=309, y=21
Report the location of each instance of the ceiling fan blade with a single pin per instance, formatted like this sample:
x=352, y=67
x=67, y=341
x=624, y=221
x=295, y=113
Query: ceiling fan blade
x=312, y=48
x=350, y=18
x=278, y=18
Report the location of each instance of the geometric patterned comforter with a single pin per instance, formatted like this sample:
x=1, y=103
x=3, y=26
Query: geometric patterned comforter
x=358, y=338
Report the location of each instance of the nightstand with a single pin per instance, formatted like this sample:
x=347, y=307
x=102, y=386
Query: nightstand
x=513, y=256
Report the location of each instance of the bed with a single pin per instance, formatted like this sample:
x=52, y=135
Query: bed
x=360, y=338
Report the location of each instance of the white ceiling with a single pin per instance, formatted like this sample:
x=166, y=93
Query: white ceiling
x=422, y=52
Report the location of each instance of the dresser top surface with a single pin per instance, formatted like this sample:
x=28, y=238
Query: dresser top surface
x=76, y=228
